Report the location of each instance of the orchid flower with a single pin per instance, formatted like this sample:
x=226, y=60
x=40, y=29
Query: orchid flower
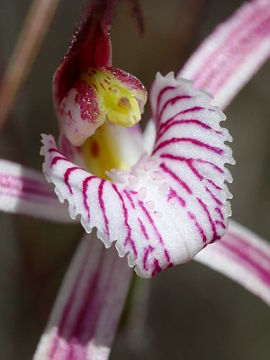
x=159, y=197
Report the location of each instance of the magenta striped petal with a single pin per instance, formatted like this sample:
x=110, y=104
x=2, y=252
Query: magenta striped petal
x=169, y=205
x=89, y=305
x=26, y=192
x=231, y=55
x=242, y=256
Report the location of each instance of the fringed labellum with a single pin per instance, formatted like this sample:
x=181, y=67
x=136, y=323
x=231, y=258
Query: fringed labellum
x=167, y=206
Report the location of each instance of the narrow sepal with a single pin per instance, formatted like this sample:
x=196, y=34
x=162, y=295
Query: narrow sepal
x=84, y=319
x=233, y=53
x=242, y=256
x=90, y=46
x=25, y=191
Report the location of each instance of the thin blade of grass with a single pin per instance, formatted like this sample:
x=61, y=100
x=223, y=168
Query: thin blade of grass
x=36, y=24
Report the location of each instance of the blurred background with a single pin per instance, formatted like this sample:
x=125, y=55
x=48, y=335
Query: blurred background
x=191, y=312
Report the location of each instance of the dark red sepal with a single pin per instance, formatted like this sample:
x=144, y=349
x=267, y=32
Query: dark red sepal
x=90, y=47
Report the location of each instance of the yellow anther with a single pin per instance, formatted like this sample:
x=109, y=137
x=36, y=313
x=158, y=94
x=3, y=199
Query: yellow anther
x=120, y=99
x=115, y=98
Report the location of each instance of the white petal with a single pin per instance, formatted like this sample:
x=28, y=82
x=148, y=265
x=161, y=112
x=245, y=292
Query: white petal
x=149, y=136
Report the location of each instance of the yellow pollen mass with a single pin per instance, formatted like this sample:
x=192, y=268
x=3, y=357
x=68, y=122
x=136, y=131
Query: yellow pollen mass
x=115, y=99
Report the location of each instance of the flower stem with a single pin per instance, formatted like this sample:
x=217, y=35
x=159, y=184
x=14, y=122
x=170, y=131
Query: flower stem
x=35, y=26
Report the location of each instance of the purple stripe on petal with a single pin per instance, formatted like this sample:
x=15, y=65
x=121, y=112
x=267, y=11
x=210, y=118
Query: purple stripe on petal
x=198, y=143
x=176, y=178
x=84, y=193
x=67, y=175
x=172, y=101
x=102, y=206
x=128, y=239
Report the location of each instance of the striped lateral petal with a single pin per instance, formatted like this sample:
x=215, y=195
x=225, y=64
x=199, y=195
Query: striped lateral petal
x=242, y=256
x=169, y=205
x=26, y=192
x=89, y=305
x=232, y=54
